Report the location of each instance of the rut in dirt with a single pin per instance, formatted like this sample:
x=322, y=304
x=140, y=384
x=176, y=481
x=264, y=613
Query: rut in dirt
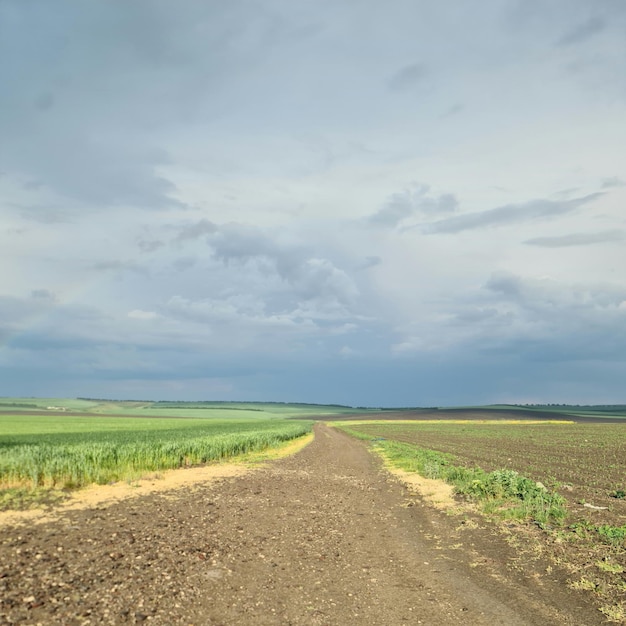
x=323, y=537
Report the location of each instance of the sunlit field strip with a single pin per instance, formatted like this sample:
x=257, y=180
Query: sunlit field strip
x=443, y=422
x=21, y=426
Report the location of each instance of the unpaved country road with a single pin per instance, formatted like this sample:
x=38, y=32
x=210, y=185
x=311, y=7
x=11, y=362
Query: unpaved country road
x=323, y=537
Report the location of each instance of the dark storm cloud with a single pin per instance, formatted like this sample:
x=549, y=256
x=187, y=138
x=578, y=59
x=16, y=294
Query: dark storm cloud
x=508, y=214
x=578, y=239
x=542, y=319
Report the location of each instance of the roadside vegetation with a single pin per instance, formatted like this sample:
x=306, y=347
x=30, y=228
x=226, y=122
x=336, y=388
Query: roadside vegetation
x=504, y=493
x=566, y=479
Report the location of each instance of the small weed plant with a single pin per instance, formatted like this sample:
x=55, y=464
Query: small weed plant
x=615, y=535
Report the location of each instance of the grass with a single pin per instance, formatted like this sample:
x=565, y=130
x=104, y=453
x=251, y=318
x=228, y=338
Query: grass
x=51, y=444
x=62, y=451
x=589, y=457
x=19, y=429
x=607, y=566
x=615, y=535
x=505, y=493
x=497, y=460
x=614, y=613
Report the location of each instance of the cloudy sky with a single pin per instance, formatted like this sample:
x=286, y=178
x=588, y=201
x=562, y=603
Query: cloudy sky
x=400, y=203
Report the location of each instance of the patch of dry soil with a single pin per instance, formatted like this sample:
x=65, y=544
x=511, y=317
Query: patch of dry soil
x=326, y=536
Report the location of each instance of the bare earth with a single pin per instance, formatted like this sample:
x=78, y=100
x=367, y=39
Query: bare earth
x=326, y=536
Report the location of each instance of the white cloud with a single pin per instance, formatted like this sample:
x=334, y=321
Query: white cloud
x=347, y=352
x=578, y=239
x=508, y=214
x=138, y=314
x=413, y=201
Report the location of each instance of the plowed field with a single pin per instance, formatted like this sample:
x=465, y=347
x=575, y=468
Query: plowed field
x=326, y=536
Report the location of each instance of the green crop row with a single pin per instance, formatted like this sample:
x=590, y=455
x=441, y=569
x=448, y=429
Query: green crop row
x=73, y=460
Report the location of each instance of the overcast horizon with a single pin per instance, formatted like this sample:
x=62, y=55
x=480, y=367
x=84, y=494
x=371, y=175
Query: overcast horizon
x=373, y=204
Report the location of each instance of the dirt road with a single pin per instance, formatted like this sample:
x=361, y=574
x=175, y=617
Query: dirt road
x=323, y=537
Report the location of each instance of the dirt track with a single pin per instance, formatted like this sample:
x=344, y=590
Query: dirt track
x=323, y=537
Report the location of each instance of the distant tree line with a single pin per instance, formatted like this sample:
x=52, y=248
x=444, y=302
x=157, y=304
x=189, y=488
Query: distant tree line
x=214, y=402
x=593, y=407
x=20, y=404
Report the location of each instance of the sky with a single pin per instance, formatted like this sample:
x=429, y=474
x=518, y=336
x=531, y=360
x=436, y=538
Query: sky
x=408, y=203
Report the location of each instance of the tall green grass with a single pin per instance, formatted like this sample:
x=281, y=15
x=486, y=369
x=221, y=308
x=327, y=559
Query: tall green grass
x=74, y=459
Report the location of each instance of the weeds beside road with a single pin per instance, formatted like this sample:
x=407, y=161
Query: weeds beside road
x=484, y=462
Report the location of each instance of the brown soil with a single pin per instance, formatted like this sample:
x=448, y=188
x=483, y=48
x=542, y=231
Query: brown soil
x=326, y=536
x=584, y=462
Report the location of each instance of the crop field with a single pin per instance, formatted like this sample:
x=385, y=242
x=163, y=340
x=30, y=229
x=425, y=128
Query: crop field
x=60, y=443
x=66, y=451
x=580, y=468
x=137, y=408
x=587, y=460
x=612, y=411
x=535, y=501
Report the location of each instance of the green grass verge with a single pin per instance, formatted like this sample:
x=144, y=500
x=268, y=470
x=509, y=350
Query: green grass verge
x=504, y=493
